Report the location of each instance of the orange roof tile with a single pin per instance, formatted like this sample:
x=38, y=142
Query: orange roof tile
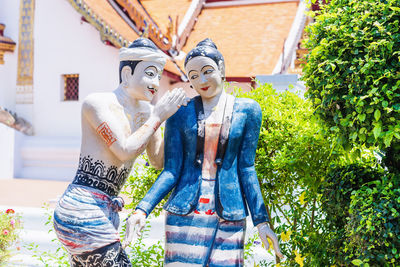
x=249, y=37
x=159, y=10
x=108, y=13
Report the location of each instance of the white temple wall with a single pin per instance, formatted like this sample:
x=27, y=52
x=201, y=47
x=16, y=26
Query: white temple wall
x=63, y=44
x=66, y=45
x=9, y=15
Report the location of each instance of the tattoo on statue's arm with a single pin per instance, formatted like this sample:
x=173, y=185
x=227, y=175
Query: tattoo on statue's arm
x=106, y=133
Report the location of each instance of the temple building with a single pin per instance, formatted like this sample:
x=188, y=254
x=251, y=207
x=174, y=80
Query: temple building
x=54, y=53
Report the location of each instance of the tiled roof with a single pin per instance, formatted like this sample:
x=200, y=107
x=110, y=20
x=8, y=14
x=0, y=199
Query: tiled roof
x=106, y=20
x=159, y=10
x=250, y=37
x=110, y=24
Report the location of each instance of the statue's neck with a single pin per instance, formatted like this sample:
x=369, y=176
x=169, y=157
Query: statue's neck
x=210, y=103
x=126, y=100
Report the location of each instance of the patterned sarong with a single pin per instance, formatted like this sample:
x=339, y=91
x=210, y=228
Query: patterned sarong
x=86, y=219
x=201, y=238
x=112, y=255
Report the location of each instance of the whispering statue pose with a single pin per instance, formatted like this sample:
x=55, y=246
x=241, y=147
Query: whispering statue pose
x=116, y=128
x=209, y=157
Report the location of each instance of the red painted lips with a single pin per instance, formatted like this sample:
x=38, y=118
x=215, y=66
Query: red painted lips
x=205, y=88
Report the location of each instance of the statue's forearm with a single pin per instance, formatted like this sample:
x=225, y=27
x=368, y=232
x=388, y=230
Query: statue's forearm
x=155, y=150
x=136, y=143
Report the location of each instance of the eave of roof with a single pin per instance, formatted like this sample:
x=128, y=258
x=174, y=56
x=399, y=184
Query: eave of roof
x=251, y=44
x=112, y=27
x=103, y=17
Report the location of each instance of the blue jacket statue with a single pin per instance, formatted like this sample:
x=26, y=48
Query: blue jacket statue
x=236, y=177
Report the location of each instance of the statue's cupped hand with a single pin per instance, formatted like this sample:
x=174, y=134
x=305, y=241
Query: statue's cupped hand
x=169, y=103
x=134, y=226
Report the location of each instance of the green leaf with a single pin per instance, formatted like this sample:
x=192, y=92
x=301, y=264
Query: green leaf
x=362, y=117
x=357, y=262
x=388, y=139
x=377, y=114
x=377, y=131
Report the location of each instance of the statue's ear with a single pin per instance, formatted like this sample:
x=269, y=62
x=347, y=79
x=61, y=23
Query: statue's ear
x=125, y=74
x=221, y=67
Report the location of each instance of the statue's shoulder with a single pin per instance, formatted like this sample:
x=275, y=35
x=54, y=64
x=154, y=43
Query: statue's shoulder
x=247, y=105
x=98, y=100
x=185, y=112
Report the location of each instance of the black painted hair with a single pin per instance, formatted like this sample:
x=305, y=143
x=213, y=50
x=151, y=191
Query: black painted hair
x=206, y=48
x=140, y=42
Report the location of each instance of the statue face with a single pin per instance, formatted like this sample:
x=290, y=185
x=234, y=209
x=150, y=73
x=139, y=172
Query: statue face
x=205, y=76
x=144, y=81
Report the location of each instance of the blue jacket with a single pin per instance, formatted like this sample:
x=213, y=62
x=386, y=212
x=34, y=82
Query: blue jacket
x=236, y=178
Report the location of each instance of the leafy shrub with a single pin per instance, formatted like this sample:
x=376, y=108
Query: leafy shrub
x=140, y=182
x=373, y=228
x=292, y=159
x=146, y=256
x=10, y=224
x=352, y=70
x=338, y=187
x=336, y=194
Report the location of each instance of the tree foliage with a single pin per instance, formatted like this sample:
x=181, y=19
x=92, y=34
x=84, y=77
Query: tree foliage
x=292, y=158
x=352, y=73
x=353, y=70
x=373, y=228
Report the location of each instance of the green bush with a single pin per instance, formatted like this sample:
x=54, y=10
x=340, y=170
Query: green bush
x=338, y=187
x=144, y=255
x=352, y=70
x=373, y=228
x=336, y=195
x=140, y=182
x=293, y=156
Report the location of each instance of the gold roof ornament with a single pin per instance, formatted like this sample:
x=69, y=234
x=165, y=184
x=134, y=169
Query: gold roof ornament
x=6, y=44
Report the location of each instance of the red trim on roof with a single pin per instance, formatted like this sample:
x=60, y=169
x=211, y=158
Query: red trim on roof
x=240, y=79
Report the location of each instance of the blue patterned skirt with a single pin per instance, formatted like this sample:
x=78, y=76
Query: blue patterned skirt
x=85, y=219
x=202, y=238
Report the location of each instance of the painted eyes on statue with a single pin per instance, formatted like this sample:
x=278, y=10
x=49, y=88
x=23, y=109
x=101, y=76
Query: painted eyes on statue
x=206, y=70
x=152, y=72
